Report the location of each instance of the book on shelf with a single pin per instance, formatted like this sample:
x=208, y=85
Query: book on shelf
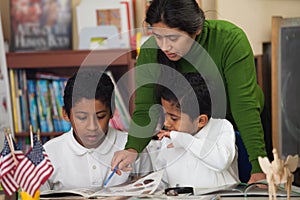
x=14, y=100
x=33, y=111
x=40, y=25
x=42, y=122
x=17, y=101
x=44, y=105
x=54, y=109
x=58, y=89
x=24, y=116
x=95, y=13
x=121, y=118
x=145, y=185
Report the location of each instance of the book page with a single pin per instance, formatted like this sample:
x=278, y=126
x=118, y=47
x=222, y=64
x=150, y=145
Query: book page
x=83, y=192
x=145, y=185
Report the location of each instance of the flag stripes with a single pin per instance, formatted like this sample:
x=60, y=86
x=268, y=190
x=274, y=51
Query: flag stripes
x=31, y=177
x=8, y=166
x=34, y=169
x=27, y=172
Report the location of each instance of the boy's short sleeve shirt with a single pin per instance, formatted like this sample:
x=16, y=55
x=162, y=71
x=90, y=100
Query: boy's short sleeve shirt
x=78, y=167
x=193, y=160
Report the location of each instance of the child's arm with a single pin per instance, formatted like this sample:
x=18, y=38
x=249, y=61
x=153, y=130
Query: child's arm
x=216, y=153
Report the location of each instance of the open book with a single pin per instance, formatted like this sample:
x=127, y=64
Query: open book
x=243, y=189
x=145, y=185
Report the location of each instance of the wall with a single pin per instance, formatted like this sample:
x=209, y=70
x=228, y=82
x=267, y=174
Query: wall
x=254, y=16
x=209, y=8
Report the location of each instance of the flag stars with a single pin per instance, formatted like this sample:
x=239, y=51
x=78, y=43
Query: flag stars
x=35, y=156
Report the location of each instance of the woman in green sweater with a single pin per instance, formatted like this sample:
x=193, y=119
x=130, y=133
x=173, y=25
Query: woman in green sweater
x=184, y=41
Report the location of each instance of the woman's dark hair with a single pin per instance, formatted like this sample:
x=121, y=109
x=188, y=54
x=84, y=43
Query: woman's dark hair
x=186, y=15
x=89, y=84
x=181, y=92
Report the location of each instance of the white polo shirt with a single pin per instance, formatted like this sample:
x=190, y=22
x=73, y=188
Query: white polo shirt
x=78, y=167
x=207, y=159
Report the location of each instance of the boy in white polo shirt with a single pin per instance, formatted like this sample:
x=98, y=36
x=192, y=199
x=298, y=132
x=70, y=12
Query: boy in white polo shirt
x=81, y=157
x=197, y=150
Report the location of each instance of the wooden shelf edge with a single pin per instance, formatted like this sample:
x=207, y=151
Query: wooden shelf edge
x=26, y=134
x=69, y=58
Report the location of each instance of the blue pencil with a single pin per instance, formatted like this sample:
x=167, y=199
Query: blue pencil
x=110, y=176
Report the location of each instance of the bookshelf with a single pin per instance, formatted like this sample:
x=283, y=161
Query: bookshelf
x=66, y=62
x=69, y=58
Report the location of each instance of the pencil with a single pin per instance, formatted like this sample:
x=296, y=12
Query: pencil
x=110, y=176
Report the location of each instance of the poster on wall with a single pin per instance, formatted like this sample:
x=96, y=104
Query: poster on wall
x=5, y=104
x=40, y=25
x=103, y=13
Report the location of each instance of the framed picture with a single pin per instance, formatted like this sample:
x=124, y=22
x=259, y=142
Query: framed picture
x=5, y=103
x=40, y=25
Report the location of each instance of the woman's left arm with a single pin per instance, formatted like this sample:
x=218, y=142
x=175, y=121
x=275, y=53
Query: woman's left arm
x=245, y=97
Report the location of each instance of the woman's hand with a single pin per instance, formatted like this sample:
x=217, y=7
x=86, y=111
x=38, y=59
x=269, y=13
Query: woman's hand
x=123, y=159
x=258, y=177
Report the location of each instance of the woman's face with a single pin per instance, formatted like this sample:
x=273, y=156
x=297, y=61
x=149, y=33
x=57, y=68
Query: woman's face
x=172, y=41
x=89, y=119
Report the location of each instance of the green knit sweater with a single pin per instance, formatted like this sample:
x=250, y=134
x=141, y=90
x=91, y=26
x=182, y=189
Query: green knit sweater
x=232, y=55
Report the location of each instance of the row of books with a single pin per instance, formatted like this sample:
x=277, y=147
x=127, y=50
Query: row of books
x=37, y=102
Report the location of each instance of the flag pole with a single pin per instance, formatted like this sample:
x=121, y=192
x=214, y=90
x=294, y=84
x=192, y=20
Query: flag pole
x=9, y=140
x=39, y=135
x=31, y=135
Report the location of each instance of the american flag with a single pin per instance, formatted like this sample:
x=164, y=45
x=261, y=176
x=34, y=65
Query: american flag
x=34, y=169
x=8, y=167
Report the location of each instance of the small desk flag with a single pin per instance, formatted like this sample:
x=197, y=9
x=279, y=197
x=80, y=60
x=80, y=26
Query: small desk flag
x=8, y=167
x=34, y=169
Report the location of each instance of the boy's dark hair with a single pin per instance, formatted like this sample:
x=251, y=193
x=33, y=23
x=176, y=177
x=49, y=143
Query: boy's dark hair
x=189, y=93
x=89, y=84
